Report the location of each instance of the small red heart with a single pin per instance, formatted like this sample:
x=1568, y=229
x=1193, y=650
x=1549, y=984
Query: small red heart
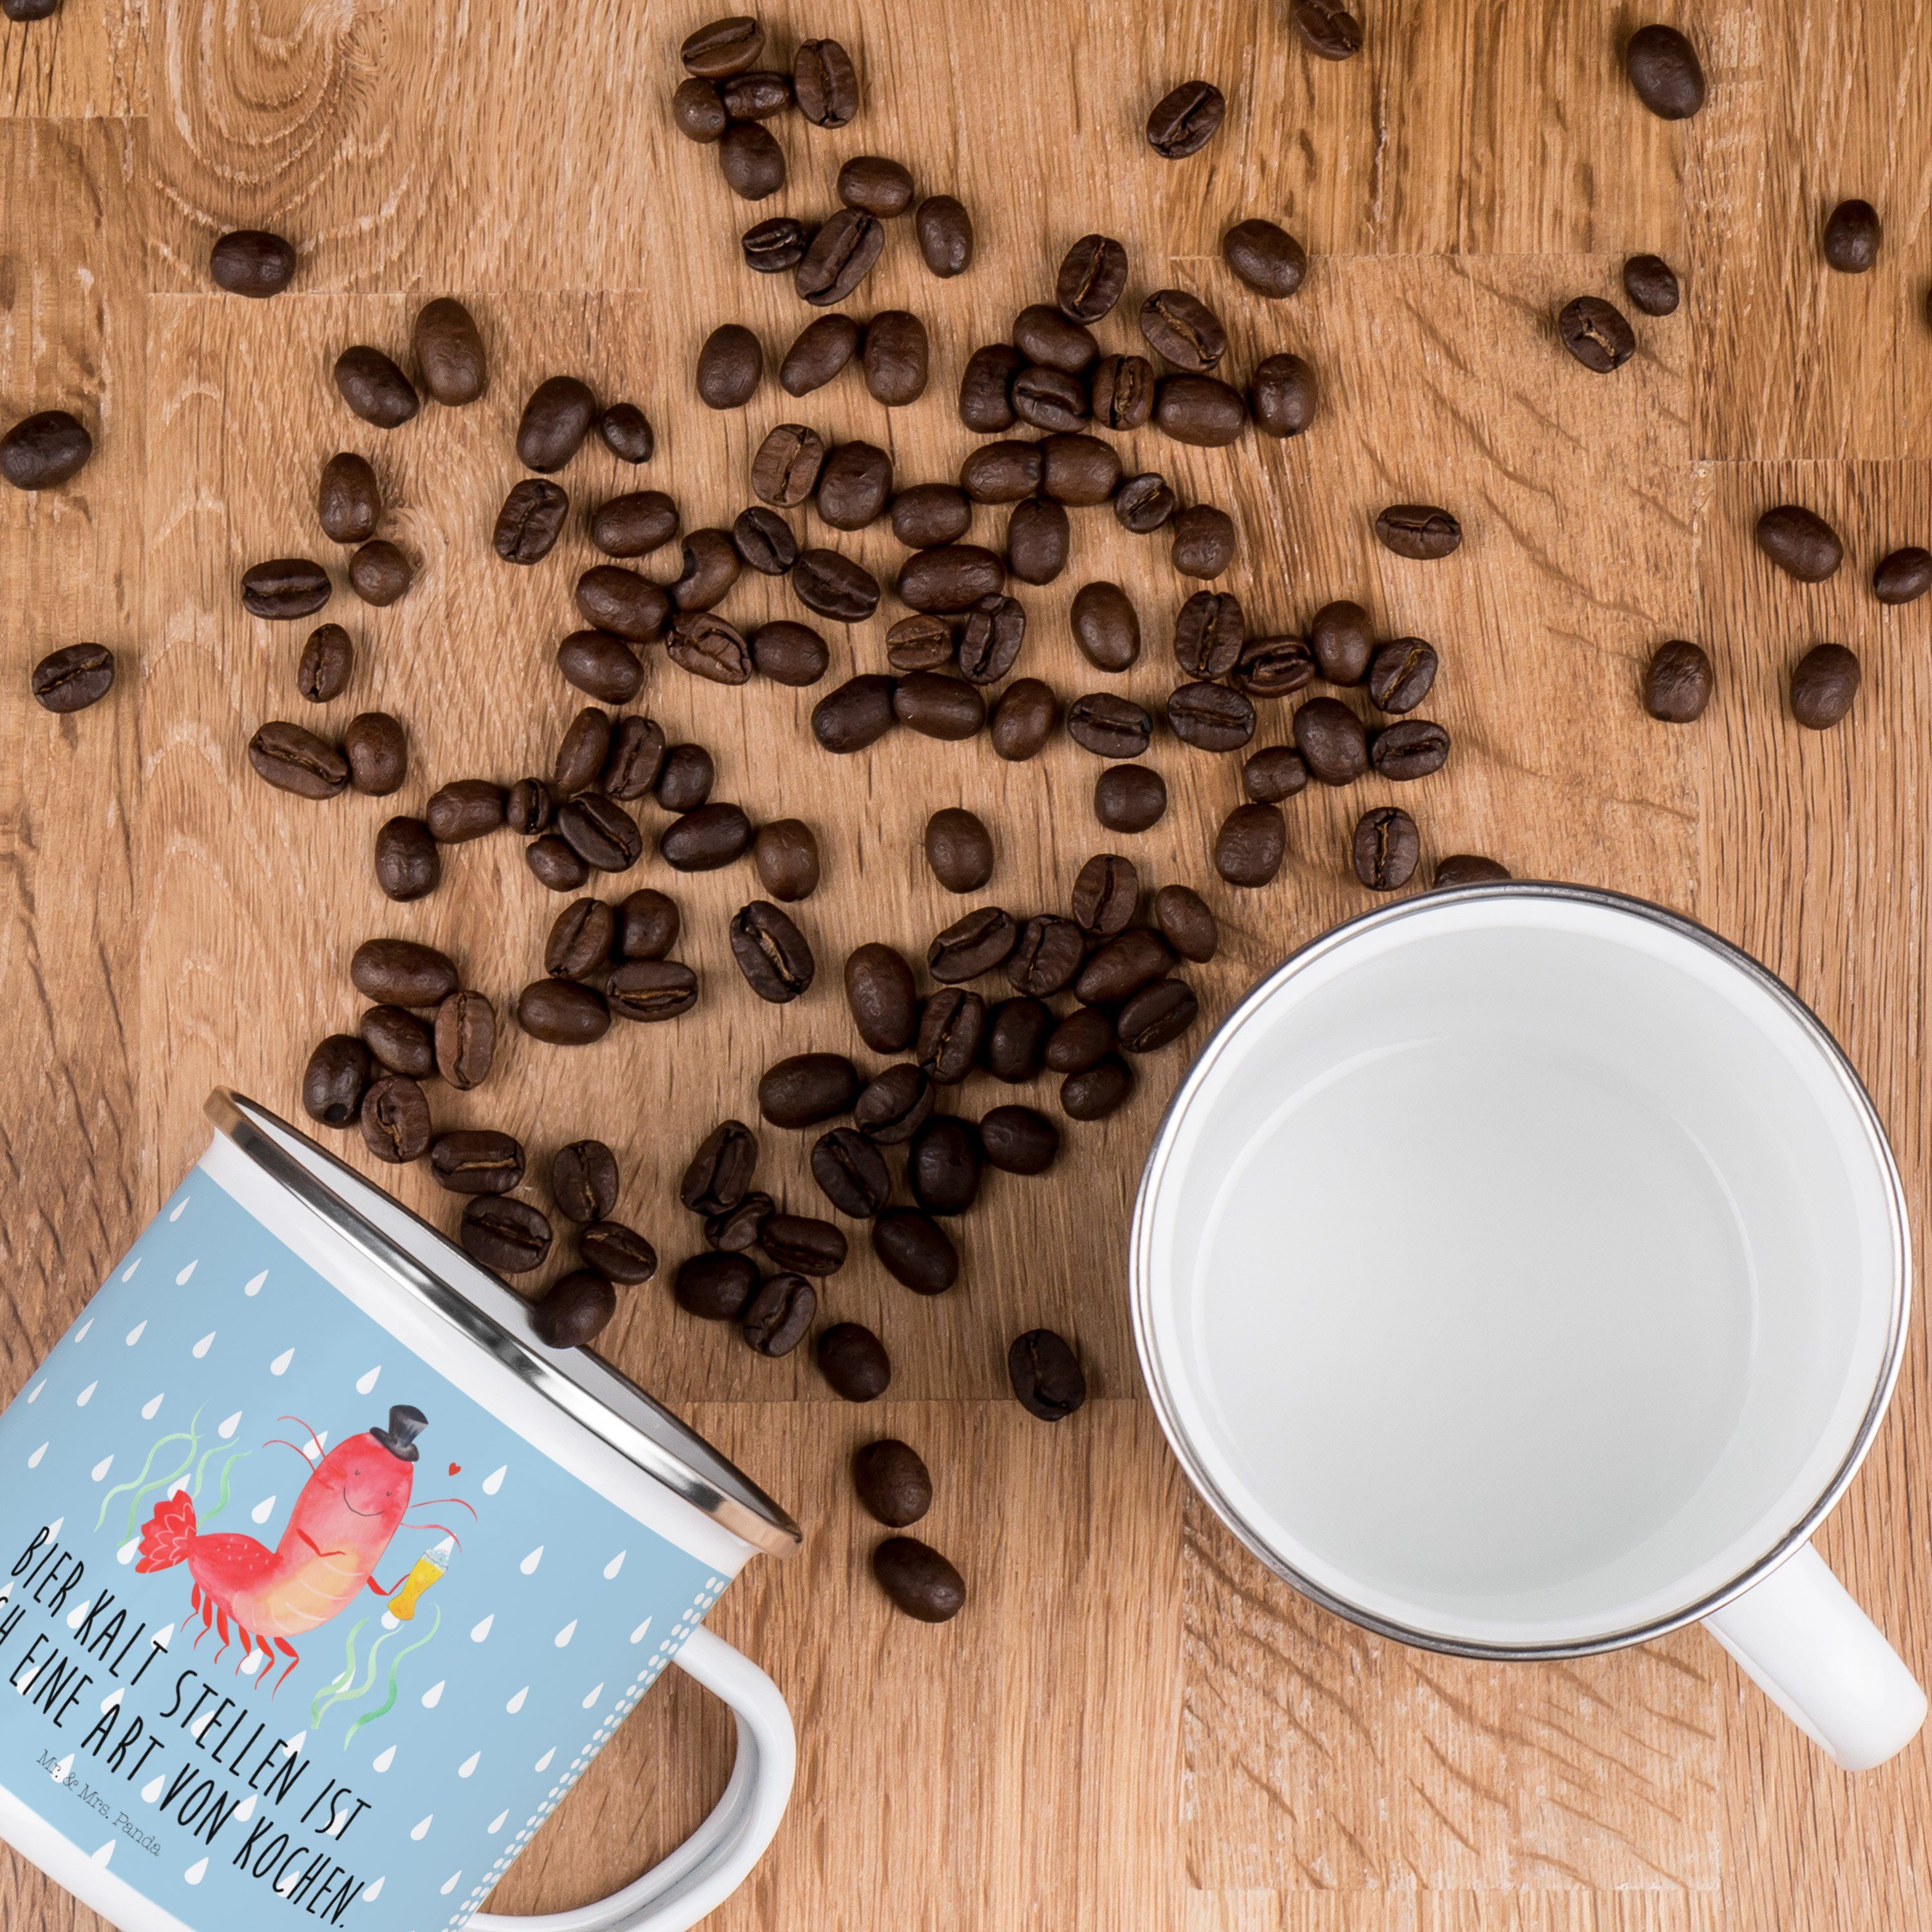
x=456, y=1468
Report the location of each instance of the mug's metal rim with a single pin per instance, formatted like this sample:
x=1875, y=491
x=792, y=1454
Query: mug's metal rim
x=1220, y=1042
x=571, y=1386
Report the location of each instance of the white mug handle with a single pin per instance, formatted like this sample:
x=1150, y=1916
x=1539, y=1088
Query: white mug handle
x=1822, y=1662
x=712, y=1863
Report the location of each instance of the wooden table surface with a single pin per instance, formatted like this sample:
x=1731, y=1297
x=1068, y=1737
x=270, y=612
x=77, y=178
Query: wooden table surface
x=1133, y=1723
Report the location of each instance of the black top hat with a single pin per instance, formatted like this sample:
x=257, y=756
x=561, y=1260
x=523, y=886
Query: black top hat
x=405, y=1424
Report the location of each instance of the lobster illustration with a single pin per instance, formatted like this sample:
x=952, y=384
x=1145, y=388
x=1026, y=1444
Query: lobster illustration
x=354, y=1501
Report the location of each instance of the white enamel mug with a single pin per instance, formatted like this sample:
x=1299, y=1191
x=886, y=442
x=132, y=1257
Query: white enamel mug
x=1522, y=1272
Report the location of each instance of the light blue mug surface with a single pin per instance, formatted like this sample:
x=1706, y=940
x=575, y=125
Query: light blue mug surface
x=200, y=1688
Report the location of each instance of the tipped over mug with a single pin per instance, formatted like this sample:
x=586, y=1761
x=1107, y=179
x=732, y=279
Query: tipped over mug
x=1522, y=1271
x=322, y=1578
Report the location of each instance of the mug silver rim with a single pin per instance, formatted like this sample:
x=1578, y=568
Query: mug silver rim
x=1220, y=1042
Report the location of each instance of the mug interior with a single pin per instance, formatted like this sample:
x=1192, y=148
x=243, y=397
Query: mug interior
x=1519, y=1268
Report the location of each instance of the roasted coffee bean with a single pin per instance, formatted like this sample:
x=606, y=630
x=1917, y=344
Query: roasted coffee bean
x=1092, y=274
x=1109, y=726
x=685, y=778
x=333, y=1080
x=991, y=638
x=1267, y=258
x=880, y=990
x=1050, y=399
x=1187, y=923
x=857, y=714
x=564, y=1013
x=1902, y=577
x=555, y=421
x=774, y=247
x=1038, y=540
x=398, y=1041
x=824, y=83
x=327, y=660
x=929, y=515
x=378, y=752
x=395, y=1119
x=573, y=1310
x=952, y=1025
x=854, y=1360
x=854, y=485
x=943, y=1166
x=1277, y=772
x=1385, y=848
x=737, y=1229
x=348, y=502
x=1126, y=963
x=1119, y=394
x=1677, y=683
x=1106, y=626
x=553, y=864
x=1272, y=667
x=785, y=470
x=1204, y=542
x=528, y=524
x=715, y=1286
x=945, y=231
x=623, y=602
x=1202, y=410
x=896, y=357
x=1343, y=642
x=789, y=653
x=800, y=1244
x=936, y=706
x=851, y=1172
x=583, y=1181
x=408, y=865
x=917, y=1253
x=836, y=586
x=876, y=185
x=293, y=759
x=1412, y=749
x=973, y=945
x=702, y=840
x=1130, y=798
x=986, y=403
x=1281, y=395
x=1210, y=717
x=771, y=951
x=702, y=642
x=44, y=450
x=477, y=1160
x=649, y=990
x=1418, y=531
x=1082, y=1040
x=730, y=364
x=722, y=47
x=1469, y=868
x=601, y=666
x=647, y=925
x=806, y=1088
x=698, y=111
x=1018, y=1140
x=1800, y=542
x=512, y=1236
x=374, y=387
x=1024, y=719
x=286, y=586
x=1098, y=1091
x=1047, y=956
x=465, y=1040
x=1663, y=69
x=755, y=96
x=786, y=856
x=631, y=525
x=921, y=643
x=1046, y=337
x=1016, y=1040
x=1823, y=683
x=379, y=572
x=465, y=808
x=581, y=754
x=720, y=1172
x=449, y=355
x=919, y=1580
x=1002, y=472
x=1401, y=673
x=1207, y=634
x=600, y=831
x=1182, y=330
x=779, y=1314
x=841, y=256
x=1597, y=334
x=73, y=678
x=1651, y=284
x=1044, y=1372
x=626, y=433
x=893, y=1483
x=752, y=163
x=711, y=566
x=581, y=938
x=1183, y=121
x=1250, y=845
x=618, y=1253
x=1106, y=892
x=1160, y=1011
x=246, y=261
x=1333, y=740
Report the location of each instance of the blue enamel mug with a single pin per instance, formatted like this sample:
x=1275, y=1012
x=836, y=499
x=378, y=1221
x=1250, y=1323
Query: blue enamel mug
x=322, y=1579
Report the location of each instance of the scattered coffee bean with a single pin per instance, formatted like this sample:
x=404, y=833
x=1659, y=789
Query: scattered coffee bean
x=1015, y=1040
x=771, y=951
x=1109, y=726
x=1276, y=773
x=1332, y=739
x=779, y=1315
x=972, y=945
x=854, y=1360
x=449, y=352
x=333, y=1080
x=720, y=1172
x=1182, y=330
x=729, y=366
x=876, y=185
x=379, y=573
x=928, y=515
x=1183, y=121
x=1093, y=275
x=399, y=1041
x=917, y=1251
x=1106, y=894
x=1045, y=1375
x=555, y=421
x=465, y=1040
x=1823, y=683
x=1046, y=956
x=756, y=95
x=685, y=778
x=852, y=1172
x=1272, y=667
x=702, y=840
x=573, y=1310
x=348, y=501
x=626, y=433
x=1082, y=1040
x=1024, y=719
x=1678, y=682
x=1201, y=410
x=936, y=706
x=477, y=1160
x=1078, y=470
x=1400, y=674
x=1187, y=923
x=880, y=990
x=553, y=864
x=328, y=660
x=581, y=754
x=806, y=1088
x=1098, y=1091
x=631, y=525
x=1267, y=258
x=984, y=402
x=1664, y=70
x=1343, y=642
x=408, y=865
x=512, y=1236
x=1650, y=283
x=943, y=1166
x=1418, y=531
x=1128, y=961
x=711, y=566
x=1038, y=540
x=582, y=937
x=991, y=638
x=530, y=521
x=785, y=855
x=919, y=1580
x=618, y=1253
x=1800, y=542
x=751, y=162
x=285, y=586
x=647, y=925
x=377, y=751
x=74, y=677
x=291, y=759
x=1120, y=393
x=1159, y=1013
x=1852, y=232
x=600, y=831
x=896, y=357
x=650, y=990
x=715, y=1286
x=375, y=388
x=855, y=715
x=1130, y=798
x=952, y=1027
x=736, y=1229
x=698, y=110
x=1046, y=336
x=1467, y=868
x=1281, y=395
x=841, y=256
x=1002, y=472
x=1204, y=542
x=601, y=666
x=1207, y=634
x=891, y=1106
x=1327, y=28
x=1018, y=1140
x=825, y=83
x=893, y=1483
x=702, y=642
x=1106, y=626
x=623, y=602
x=855, y=483
x=835, y=586
x=1250, y=845
x=1385, y=848
x=1210, y=717
x=1596, y=333
x=1902, y=577
x=44, y=450
x=722, y=46
x=395, y=1120
x=800, y=1244
x=562, y=1012
x=774, y=247
x=251, y=262
x=635, y=765
x=945, y=231
x=789, y=653
x=1050, y=399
